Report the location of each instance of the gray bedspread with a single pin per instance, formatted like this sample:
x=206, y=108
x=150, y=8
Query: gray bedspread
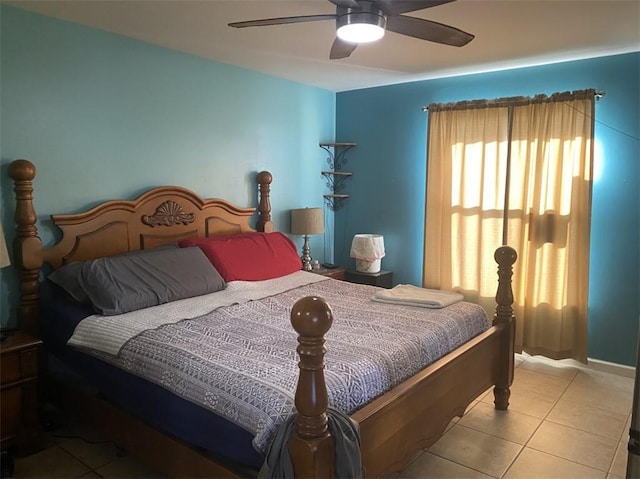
x=240, y=361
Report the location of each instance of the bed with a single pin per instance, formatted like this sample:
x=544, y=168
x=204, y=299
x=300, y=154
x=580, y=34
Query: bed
x=393, y=425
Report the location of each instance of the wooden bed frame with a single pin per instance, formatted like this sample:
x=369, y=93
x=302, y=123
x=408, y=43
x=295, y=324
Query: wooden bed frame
x=393, y=427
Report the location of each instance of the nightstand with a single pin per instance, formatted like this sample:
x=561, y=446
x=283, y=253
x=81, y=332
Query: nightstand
x=335, y=273
x=383, y=279
x=19, y=393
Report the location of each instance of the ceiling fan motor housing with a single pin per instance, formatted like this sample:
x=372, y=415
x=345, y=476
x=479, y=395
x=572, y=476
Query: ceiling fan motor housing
x=367, y=15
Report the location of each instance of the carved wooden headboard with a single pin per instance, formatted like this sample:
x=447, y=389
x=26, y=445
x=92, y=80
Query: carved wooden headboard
x=162, y=215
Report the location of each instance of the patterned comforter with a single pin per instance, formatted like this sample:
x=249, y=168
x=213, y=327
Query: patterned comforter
x=240, y=361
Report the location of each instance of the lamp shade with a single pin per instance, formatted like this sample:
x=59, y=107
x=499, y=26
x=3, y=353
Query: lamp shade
x=307, y=221
x=4, y=254
x=368, y=250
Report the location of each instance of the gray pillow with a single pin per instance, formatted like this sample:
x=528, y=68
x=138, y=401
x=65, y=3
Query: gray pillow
x=120, y=284
x=68, y=276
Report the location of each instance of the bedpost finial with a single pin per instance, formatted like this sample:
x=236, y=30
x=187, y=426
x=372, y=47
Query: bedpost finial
x=27, y=246
x=264, y=177
x=22, y=170
x=311, y=446
x=505, y=256
x=311, y=316
x=264, y=223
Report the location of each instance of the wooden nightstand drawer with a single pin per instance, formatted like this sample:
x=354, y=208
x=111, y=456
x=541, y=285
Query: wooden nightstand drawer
x=10, y=412
x=29, y=363
x=18, y=365
x=10, y=368
x=19, y=393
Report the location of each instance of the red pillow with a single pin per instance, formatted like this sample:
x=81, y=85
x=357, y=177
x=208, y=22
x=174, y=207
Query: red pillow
x=249, y=256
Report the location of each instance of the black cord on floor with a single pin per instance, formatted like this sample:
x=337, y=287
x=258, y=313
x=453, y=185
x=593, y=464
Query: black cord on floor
x=50, y=425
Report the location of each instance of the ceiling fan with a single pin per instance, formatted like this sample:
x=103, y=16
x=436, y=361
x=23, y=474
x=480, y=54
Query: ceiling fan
x=361, y=21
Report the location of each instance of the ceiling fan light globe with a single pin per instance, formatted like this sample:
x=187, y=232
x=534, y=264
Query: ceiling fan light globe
x=364, y=25
x=360, y=33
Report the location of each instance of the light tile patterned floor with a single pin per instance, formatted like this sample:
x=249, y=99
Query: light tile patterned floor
x=563, y=422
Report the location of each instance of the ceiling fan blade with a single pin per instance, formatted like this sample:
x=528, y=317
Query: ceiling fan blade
x=428, y=30
x=341, y=49
x=395, y=7
x=345, y=3
x=282, y=20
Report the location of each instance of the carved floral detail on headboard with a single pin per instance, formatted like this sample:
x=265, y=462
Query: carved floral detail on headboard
x=168, y=213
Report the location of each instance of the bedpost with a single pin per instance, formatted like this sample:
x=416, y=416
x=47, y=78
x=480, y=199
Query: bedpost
x=264, y=208
x=505, y=256
x=311, y=447
x=27, y=246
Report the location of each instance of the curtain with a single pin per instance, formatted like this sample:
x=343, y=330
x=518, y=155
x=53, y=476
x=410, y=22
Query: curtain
x=515, y=171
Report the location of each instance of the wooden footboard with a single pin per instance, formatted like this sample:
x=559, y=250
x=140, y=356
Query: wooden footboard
x=413, y=415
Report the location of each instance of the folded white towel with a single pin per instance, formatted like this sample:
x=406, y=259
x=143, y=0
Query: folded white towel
x=410, y=295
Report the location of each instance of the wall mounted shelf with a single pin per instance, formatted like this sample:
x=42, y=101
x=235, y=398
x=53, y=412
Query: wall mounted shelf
x=335, y=177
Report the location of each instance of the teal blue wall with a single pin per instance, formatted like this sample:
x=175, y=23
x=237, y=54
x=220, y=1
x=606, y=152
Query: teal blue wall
x=103, y=116
x=388, y=186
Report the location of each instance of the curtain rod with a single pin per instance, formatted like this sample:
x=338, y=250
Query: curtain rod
x=596, y=94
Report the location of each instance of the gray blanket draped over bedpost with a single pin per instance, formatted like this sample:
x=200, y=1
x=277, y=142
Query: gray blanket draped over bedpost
x=505, y=256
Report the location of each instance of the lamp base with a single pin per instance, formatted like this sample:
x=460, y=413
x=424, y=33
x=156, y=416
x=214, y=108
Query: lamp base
x=364, y=266
x=306, y=255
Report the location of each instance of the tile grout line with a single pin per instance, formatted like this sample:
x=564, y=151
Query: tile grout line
x=615, y=453
x=596, y=406
x=543, y=420
x=524, y=446
x=489, y=434
x=607, y=472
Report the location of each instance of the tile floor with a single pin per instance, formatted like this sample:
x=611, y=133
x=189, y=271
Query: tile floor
x=563, y=422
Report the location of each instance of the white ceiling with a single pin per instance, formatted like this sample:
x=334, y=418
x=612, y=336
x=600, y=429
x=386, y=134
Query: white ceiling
x=508, y=33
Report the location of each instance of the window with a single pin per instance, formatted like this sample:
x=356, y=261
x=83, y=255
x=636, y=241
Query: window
x=516, y=172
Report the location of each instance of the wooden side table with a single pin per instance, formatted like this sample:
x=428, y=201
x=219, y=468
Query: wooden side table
x=335, y=273
x=19, y=393
x=383, y=279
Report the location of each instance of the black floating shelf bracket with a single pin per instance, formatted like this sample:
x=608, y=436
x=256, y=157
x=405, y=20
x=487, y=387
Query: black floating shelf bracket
x=335, y=177
x=336, y=151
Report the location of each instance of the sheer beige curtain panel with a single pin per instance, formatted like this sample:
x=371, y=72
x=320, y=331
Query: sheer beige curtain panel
x=515, y=169
x=466, y=179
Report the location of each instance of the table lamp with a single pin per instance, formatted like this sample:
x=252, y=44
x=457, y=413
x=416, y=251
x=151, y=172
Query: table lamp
x=367, y=250
x=307, y=221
